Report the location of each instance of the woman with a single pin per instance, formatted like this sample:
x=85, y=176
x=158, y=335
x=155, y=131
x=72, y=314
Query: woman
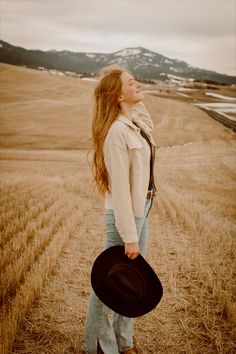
x=124, y=153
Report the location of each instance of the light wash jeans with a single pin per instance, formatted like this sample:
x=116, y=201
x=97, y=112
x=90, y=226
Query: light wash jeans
x=114, y=335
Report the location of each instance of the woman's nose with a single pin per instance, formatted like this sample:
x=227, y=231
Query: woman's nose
x=138, y=84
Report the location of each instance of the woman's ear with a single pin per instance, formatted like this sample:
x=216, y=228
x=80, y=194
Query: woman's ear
x=120, y=98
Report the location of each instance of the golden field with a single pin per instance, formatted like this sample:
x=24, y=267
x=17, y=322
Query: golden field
x=52, y=221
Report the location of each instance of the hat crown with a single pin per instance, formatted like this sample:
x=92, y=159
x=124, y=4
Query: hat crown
x=126, y=282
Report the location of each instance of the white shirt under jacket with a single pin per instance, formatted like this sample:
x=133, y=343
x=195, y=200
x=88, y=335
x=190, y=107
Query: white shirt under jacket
x=127, y=159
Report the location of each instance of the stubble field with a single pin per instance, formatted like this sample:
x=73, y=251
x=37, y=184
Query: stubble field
x=52, y=222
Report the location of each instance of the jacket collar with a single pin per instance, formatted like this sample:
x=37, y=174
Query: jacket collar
x=127, y=121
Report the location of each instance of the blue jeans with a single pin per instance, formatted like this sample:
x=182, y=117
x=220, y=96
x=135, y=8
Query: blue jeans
x=113, y=335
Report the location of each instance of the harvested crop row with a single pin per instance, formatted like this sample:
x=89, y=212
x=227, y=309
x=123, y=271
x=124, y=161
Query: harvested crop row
x=22, y=206
x=12, y=315
x=211, y=234
x=8, y=202
x=16, y=224
x=13, y=273
x=17, y=244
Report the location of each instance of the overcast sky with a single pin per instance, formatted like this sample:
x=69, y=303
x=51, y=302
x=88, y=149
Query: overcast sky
x=200, y=32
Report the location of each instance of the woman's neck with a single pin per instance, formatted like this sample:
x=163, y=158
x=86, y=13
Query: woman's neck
x=127, y=111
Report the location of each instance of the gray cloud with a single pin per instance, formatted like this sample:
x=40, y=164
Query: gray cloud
x=194, y=31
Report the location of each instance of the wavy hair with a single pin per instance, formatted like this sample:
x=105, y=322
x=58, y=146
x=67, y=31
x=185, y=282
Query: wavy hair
x=106, y=109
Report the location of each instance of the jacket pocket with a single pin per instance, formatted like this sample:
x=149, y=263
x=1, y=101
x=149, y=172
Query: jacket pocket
x=133, y=142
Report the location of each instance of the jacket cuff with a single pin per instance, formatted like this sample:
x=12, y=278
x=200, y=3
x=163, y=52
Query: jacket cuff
x=129, y=238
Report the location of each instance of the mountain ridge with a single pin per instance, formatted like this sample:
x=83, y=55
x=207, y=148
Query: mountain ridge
x=144, y=63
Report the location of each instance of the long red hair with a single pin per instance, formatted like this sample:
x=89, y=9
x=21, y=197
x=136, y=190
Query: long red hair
x=106, y=109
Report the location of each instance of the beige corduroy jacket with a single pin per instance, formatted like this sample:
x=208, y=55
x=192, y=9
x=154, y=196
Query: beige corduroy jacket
x=127, y=159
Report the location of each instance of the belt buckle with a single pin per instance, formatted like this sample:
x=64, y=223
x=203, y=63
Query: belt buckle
x=150, y=194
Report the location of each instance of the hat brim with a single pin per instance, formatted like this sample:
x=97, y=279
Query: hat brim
x=104, y=262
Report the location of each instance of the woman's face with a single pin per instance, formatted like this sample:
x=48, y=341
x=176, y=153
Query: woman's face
x=130, y=90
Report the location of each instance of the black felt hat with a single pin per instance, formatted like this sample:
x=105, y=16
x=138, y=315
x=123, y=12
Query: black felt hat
x=130, y=287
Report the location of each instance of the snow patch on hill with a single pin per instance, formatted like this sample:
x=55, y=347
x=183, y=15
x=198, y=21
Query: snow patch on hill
x=127, y=52
x=90, y=55
x=220, y=96
x=220, y=107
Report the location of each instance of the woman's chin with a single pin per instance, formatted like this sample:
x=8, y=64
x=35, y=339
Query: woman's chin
x=139, y=97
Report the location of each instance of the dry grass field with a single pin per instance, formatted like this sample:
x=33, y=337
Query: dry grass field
x=52, y=221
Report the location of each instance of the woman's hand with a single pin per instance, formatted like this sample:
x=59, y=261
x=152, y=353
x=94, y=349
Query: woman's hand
x=131, y=250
